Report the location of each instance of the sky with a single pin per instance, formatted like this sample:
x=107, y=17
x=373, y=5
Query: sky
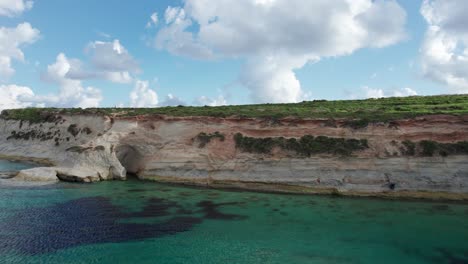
x=143, y=53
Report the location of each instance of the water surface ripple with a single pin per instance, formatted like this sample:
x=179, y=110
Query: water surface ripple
x=143, y=222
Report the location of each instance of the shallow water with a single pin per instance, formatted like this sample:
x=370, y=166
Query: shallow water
x=6, y=165
x=144, y=222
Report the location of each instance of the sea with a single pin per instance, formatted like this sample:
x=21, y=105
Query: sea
x=146, y=222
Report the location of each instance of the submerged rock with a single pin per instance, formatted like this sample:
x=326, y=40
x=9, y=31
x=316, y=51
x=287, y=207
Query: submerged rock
x=53, y=174
x=8, y=174
x=41, y=174
x=78, y=175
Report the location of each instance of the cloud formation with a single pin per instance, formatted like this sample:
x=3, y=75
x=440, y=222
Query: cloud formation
x=72, y=93
x=14, y=96
x=11, y=41
x=12, y=8
x=279, y=36
x=142, y=95
x=367, y=92
x=109, y=61
x=444, y=54
x=217, y=101
x=153, y=20
x=111, y=57
x=174, y=37
x=172, y=100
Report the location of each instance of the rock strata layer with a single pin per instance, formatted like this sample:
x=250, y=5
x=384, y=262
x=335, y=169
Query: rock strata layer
x=389, y=159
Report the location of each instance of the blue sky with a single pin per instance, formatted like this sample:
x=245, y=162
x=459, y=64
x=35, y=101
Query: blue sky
x=227, y=73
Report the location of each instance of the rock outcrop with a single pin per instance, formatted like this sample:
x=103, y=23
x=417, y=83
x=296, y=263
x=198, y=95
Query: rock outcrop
x=42, y=174
x=388, y=158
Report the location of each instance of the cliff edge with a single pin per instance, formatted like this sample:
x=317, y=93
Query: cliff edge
x=424, y=155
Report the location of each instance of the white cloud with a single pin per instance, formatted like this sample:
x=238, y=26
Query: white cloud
x=174, y=15
x=110, y=61
x=176, y=40
x=103, y=34
x=111, y=57
x=153, y=20
x=118, y=77
x=272, y=79
x=11, y=41
x=172, y=100
x=373, y=93
x=203, y=100
x=404, y=92
x=71, y=92
x=142, y=95
x=444, y=54
x=368, y=92
x=12, y=8
x=285, y=33
x=14, y=96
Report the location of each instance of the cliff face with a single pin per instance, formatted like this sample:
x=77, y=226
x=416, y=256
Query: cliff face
x=204, y=151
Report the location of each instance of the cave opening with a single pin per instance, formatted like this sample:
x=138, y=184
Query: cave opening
x=130, y=158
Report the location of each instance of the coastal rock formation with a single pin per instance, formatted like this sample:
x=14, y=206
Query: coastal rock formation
x=8, y=174
x=417, y=157
x=42, y=174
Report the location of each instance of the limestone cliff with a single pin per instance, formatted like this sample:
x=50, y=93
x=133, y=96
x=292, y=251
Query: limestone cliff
x=388, y=161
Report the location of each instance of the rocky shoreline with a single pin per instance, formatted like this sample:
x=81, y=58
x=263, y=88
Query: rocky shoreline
x=423, y=157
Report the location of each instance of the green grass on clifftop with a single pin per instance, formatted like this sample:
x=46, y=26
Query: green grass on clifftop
x=369, y=110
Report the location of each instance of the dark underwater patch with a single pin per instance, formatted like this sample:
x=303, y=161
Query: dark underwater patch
x=185, y=194
x=96, y=220
x=451, y=258
x=441, y=207
x=211, y=211
x=156, y=207
x=137, y=190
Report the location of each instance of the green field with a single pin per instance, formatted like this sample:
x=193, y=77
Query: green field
x=369, y=110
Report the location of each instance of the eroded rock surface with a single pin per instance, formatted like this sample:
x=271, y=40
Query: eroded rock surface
x=93, y=148
x=41, y=174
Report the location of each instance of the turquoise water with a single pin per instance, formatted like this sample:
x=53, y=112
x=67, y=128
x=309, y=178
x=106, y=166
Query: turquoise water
x=6, y=165
x=144, y=222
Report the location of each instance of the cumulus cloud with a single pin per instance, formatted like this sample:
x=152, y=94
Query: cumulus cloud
x=204, y=100
x=142, y=95
x=12, y=8
x=153, y=20
x=109, y=61
x=272, y=79
x=72, y=93
x=445, y=49
x=279, y=36
x=11, y=41
x=14, y=96
x=111, y=57
x=404, y=92
x=172, y=100
x=367, y=92
x=177, y=40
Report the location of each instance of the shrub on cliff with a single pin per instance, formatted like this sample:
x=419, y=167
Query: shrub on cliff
x=359, y=113
x=409, y=149
x=358, y=123
x=204, y=138
x=429, y=148
x=305, y=146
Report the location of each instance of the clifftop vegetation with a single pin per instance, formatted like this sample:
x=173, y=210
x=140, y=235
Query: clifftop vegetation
x=369, y=110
